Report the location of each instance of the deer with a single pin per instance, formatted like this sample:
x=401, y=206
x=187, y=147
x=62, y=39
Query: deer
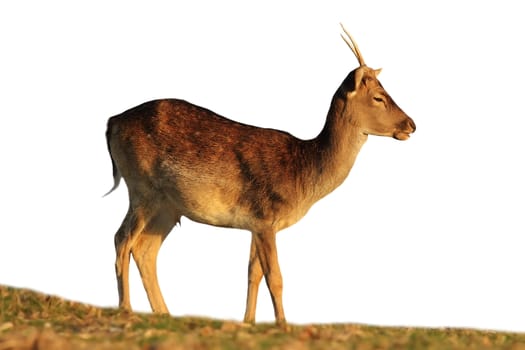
x=179, y=159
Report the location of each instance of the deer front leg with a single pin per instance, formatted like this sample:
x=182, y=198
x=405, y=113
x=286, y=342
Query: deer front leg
x=267, y=252
x=255, y=275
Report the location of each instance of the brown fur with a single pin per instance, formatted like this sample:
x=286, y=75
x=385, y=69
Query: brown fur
x=179, y=159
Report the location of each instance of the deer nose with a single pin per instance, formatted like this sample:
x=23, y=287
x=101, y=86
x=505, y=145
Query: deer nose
x=411, y=125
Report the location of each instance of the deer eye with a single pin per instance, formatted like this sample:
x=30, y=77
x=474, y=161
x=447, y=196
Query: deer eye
x=379, y=99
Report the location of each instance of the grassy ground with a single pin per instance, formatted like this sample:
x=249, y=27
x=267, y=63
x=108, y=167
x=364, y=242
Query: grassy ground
x=30, y=320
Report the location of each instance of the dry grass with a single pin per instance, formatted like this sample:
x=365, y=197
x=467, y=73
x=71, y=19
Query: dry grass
x=30, y=320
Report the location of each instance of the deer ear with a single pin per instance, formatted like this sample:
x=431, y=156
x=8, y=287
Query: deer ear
x=358, y=76
x=377, y=71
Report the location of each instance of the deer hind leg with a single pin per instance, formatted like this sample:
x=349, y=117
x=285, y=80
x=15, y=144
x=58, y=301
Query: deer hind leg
x=255, y=274
x=128, y=232
x=145, y=251
x=267, y=252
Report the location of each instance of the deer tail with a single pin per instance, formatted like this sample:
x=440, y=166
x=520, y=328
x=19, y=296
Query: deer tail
x=116, y=173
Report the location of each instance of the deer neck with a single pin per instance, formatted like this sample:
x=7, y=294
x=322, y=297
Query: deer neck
x=335, y=149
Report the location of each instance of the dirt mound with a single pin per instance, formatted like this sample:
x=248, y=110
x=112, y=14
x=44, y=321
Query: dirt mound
x=35, y=321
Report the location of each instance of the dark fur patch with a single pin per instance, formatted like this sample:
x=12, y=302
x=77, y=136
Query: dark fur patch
x=252, y=187
x=348, y=85
x=258, y=194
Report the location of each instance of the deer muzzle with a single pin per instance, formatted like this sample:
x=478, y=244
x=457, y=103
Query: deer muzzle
x=405, y=129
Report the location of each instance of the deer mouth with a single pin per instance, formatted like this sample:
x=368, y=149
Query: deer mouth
x=402, y=136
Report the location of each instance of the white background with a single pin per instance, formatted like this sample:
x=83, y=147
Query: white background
x=427, y=232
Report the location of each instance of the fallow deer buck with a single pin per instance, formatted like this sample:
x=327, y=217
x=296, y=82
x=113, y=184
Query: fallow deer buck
x=179, y=159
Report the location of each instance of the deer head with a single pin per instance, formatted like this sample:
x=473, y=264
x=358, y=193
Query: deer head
x=371, y=109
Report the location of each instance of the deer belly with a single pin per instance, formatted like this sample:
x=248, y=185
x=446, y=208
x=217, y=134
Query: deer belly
x=208, y=205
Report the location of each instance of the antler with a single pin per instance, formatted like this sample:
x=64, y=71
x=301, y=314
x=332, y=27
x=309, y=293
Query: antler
x=353, y=46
